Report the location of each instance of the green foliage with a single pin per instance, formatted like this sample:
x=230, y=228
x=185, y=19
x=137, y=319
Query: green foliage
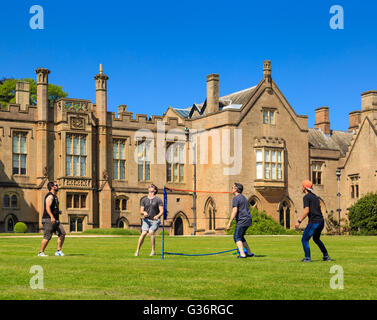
x=112, y=231
x=20, y=227
x=363, y=215
x=263, y=224
x=333, y=226
x=166, y=233
x=8, y=91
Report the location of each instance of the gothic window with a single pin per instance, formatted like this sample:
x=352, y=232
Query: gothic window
x=19, y=153
x=317, y=172
x=119, y=159
x=144, y=163
x=76, y=155
x=269, y=164
x=175, y=162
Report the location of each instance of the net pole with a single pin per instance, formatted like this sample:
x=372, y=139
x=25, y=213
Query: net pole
x=163, y=223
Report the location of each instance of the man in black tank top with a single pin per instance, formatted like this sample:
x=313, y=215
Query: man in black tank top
x=50, y=220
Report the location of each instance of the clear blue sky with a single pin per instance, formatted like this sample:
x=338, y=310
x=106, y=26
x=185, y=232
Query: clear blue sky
x=158, y=53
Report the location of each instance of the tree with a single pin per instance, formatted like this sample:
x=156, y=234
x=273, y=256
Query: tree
x=363, y=215
x=8, y=91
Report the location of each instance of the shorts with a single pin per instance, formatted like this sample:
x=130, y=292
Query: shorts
x=50, y=228
x=150, y=225
x=239, y=233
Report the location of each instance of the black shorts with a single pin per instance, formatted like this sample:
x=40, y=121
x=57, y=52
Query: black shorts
x=50, y=228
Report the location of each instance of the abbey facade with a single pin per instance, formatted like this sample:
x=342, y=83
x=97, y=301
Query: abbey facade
x=104, y=163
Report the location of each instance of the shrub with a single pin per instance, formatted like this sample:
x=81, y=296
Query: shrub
x=363, y=215
x=263, y=224
x=166, y=233
x=20, y=227
x=112, y=231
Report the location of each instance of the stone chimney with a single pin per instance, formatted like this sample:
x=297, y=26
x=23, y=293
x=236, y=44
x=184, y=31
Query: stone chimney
x=23, y=94
x=355, y=118
x=101, y=97
x=322, y=119
x=267, y=70
x=369, y=100
x=212, y=93
x=369, y=106
x=42, y=93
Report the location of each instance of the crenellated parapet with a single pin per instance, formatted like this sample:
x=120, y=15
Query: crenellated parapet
x=75, y=112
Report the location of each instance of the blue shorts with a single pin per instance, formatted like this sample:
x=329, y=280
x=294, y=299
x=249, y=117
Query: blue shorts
x=239, y=233
x=150, y=225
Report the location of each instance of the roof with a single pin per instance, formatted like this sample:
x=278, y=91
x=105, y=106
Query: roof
x=338, y=140
x=183, y=112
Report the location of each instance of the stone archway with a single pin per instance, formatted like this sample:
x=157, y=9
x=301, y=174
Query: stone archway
x=178, y=227
x=285, y=214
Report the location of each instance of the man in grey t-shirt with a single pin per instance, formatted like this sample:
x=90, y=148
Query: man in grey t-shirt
x=241, y=213
x=151, y=209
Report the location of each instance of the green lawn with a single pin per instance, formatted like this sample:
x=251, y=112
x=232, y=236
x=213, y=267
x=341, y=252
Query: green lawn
x=105, y=268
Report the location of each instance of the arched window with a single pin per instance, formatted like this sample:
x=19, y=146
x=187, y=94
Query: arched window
x=117, y=204
x=6, y=201
x=14, y=201
x=124, y=204
x=10, y=224
x=210, y=211
x=285, y=215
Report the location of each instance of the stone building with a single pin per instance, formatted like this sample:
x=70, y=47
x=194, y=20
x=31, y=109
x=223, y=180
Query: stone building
x=104, y=164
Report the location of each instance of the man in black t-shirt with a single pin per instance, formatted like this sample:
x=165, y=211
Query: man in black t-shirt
x=50, y=220
x=151, y=208
x=312, y=210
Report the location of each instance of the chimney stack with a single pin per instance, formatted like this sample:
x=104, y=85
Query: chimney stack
x=212, y=93
x=322, y=120
x=23, y=94
x=355, y=118
x=42, y=93
x=267, y=70
x=369, y=100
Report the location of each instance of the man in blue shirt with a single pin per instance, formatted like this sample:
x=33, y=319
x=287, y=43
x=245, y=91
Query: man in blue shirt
x=241, y=213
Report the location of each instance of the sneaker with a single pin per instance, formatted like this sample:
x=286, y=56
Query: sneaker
x=152, y=254
x=59, y=253
x=249, y=255
x=327, y=258
x=306, y=260
x=241, y=257
x=42, y=254
x=136, y=254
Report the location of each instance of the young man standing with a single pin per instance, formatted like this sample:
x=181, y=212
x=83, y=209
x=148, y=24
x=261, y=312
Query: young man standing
x=50, y=220
x=151, y=209
x=316, y=223
x=243, y=218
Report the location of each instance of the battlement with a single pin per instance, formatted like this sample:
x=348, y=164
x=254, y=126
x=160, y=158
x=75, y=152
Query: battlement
x=16, y=111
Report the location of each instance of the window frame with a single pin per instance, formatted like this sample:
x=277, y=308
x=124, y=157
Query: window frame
x=179, y=155
x=317, y=173
x=142, y=162
x=70, y=205
x=118, y=159
x=72, y=155
x=270, y=164
x=19, y=152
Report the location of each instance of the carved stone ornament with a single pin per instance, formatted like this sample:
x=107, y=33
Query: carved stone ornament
x=77, y=123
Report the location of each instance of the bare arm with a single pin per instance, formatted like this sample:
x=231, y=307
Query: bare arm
x=48, y=208
x=232, y=216
x=303, y=216
x=144, y=213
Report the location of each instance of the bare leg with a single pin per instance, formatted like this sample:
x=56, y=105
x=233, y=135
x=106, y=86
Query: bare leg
x=140, y=242
x=240, y=248
x=44, y=245
x=151, y=234
x=60, y=242
x=246, y=246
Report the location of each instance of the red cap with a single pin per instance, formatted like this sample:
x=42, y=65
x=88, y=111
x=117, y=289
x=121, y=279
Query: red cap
x=307, y=184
